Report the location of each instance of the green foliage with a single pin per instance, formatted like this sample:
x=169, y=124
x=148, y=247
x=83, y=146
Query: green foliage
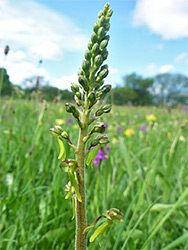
x=6, y=85
x=34, y=213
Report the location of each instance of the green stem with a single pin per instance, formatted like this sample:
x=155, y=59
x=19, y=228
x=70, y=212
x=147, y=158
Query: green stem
x=81, y=220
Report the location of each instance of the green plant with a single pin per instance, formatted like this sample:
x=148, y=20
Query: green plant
x=90, y=90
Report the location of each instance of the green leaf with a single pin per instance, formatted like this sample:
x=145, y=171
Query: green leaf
x=75, y=185
x=92, y=155
x=62, y=153
x=99, y=230
x=73, y=207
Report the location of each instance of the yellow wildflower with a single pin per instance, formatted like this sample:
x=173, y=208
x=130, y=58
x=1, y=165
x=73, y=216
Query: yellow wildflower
x=111, y=128
x=59, y=121
x=151, y=117
x=75, y=126
x=129, y=132
x=169, y=134
x=182, y=138
x=115, y=140
x=61, y=110
x=186, y=120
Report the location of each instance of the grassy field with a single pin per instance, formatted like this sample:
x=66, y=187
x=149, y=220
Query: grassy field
x=145, y=176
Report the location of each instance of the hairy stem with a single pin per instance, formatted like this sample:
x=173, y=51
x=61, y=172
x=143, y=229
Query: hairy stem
x=80, y=243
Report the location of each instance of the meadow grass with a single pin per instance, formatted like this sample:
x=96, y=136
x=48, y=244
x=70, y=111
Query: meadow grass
x=145, y=176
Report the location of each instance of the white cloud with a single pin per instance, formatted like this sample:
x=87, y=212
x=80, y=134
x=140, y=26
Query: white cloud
x=160, y=46
x=167, y=18
x=65, y=81
x=165, y=68
x=182, y=58
x=152, y=69
x=113, y=70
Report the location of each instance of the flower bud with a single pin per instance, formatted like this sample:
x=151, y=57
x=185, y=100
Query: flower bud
x=99, y=128
x=109, y=13
x=98, y=61
x=104, y=140
x=102, y=75
x=85, y=67
x=90, y=45
x=95, y=49
x=92, y=97
x=7, y=48
x=74, y=87
x=83, y=82
x=100, y=14
x=104, y=54
x=105, y=89
x=106, y=7
x=80, y=72
x=78, y=95
x=101, y=21
x=106, y=108
x=101, y=33
x=99, y=112
x=56, y=130
x=103, y=44
x=88, y=55
x=70, y=108
x=94, y=38
x=99, y=84
x=65, y=135
x=95, y=27
x=96, y=141
x=78, y=101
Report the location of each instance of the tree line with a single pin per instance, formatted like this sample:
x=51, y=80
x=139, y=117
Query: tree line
x=163, y=89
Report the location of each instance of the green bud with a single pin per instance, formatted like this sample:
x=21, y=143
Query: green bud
x=100, y=14
x=78, y=95
x=90, y=45
x=99, y=84
x=98, y=61
x=70, y=108
x=104, y=54
x=105, y=89
x=99, y=112
x=94, y=38
x=109, y=13
x=95, y=27
x=96, y=141
x=83, y=82
x=103, y=44
x=65, y=135
x=85, y=67
x=88, y=55
x=78, y=101
x=101, y=33
x=98, y=128
x=107, y=27
x=101, y=21
x=74, y=87
x=105, y=66
x=92, y=97
x=104, y=140
x=106, y=108
x=106, y=7
x=69, y=166
x=102, y=75
x=80, y=72
x=95, y=49
x=56, y=130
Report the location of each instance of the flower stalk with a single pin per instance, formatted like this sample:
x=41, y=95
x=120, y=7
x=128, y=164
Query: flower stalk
x=89, y=90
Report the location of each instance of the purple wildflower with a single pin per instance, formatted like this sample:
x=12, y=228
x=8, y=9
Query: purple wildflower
x=101, y=155
x=143, y=127
x=131, y=121
x=5, y=116
x=185, y=109
x=69, y=120
x=107, y=148
x=4, y=107
x=105, y=124
x=119, y=129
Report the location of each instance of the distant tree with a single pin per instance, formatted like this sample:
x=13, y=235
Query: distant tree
x=6, y=85
x=171, y=89
x=137, y=89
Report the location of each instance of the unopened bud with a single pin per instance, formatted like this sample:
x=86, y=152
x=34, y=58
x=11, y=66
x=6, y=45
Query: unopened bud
x=104, y=54
x=95, y=49
x=106, y=7
x=100, y=14
x=80, y=72
x=70, y=108
x=109, y=13
x=99, y=112
x=103, y=44
x=90, y=45
x=7, y=48
x=94, y=38
x=79, y=95
x=92, y=99
x=88, y=55
x=101, y=33
x=74, y=87
x=85, y=67
x=56, y=130
x=99, y=128
x=101, y=21
x=98, y=61
x=104, y=140
x=102, y=75
x=65, y=135
x=95, y=27
x=83, y=82
x=106, y=108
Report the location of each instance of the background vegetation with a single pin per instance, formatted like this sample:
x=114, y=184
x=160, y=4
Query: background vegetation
x=145, y=176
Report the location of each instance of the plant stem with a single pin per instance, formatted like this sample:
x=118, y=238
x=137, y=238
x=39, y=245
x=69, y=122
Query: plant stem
x=80, y=242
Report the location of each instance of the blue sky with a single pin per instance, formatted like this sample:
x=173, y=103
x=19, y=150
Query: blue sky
x=147, y=37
